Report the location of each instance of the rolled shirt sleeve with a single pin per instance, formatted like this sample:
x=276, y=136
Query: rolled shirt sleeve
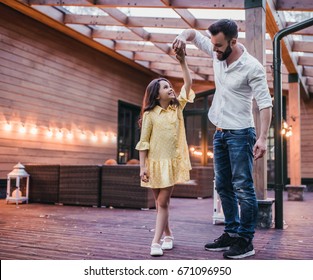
x=259, y=87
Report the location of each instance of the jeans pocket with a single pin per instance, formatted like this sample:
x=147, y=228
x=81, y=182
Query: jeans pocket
x=239, y=132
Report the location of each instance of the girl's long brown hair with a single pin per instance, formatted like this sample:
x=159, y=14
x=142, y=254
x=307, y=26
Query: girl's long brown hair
x=150, y=98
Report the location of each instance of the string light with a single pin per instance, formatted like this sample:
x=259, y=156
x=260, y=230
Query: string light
x=196, y=151
x=113, y=138
x=22, y=129
x=34, y=130
x=94, y=138
x=69, y=135
x=286, y=130
x=105, y=138
x=7, y=127
x=50, y=133
x=83, y=136
x=60, y=133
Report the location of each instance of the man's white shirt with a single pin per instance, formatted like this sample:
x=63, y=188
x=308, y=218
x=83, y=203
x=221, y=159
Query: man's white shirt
x=236, y=86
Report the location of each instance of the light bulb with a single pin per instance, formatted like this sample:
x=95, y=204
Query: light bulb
x=69, y=136
x=34, y=130
x=59, y=134
x=22, y=129
x=94, y=138
x=83, y=136
x=7, y=127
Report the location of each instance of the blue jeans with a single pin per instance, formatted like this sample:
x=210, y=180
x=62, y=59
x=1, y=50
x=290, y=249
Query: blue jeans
x=233, y=166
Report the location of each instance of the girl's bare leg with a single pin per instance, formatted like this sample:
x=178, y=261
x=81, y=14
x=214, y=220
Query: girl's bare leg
x=162, y=198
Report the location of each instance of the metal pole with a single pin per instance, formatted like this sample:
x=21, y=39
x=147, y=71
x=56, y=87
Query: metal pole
x=279, y=182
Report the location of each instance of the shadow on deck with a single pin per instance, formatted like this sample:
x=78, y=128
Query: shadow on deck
x=54, y=232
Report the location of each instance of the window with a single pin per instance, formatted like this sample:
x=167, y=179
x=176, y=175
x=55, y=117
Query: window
x=199, y=130
x=128, y=131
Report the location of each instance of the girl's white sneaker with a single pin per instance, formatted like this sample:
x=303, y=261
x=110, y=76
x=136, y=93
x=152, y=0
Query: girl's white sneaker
x=168, y=243
x=156, y=250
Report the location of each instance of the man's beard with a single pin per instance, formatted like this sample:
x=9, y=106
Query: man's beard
x=226, y=53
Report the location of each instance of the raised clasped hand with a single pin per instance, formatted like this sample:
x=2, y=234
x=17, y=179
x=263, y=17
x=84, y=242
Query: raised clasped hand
x=179, y=45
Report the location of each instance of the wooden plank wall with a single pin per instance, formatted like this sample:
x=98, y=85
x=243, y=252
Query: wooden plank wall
x=51, y=81
x=306, y=139
x=306, y=110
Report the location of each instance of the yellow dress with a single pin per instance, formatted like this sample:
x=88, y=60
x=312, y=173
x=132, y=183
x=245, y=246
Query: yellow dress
x=163, y=135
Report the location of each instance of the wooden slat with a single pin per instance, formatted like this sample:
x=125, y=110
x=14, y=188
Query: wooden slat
x=274, y=23
x=53, y=232
x=306, y=60
x=60, y=27
x=302, y=46
x=143, y=3
x=303, y=5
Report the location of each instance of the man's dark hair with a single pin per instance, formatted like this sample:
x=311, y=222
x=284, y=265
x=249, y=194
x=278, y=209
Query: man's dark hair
x=227, y=26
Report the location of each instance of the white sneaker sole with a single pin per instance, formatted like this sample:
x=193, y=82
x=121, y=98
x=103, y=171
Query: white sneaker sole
x=156, y=250
x=217, y=249
x=248, y=254
x=167, y=245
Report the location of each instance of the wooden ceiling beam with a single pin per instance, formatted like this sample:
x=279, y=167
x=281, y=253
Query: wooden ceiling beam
x=116, y=35
x=302, y=46
x=308, y=71
x=193, y=75
x=309, y=81
x=153, y=57
x=157, y=22
x=139, y=32
x=199, y=4
x=123, y=42
x=294, y=5
x=122, y=45
x=305, y=60
x=60, y=3
x=92, y=20
x=176, y=67
x=195, y=4
x=306, y=31
x=188, y=18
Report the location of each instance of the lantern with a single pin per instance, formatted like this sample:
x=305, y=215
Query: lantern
x=18, y=184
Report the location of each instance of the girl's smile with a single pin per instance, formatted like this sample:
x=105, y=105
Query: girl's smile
x=166, y=91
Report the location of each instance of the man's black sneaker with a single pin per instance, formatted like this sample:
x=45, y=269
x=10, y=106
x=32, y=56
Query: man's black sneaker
x=222, y=243
x=240, y=249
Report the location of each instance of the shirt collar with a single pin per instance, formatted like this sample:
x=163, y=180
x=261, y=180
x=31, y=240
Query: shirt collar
x=243, y=57
x=158, y=109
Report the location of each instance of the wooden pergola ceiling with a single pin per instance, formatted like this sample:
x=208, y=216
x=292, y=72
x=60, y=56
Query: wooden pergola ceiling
x=112, y=27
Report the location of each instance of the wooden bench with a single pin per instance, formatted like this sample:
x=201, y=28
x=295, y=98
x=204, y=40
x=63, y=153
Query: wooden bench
x=80, y=185
x=200, y=185
x=121, y=188
x=43, y=183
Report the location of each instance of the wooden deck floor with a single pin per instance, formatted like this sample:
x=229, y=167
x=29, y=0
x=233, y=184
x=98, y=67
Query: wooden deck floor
x=54, y=232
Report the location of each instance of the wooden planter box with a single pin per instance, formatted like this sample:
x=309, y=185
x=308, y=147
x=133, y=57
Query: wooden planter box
x=43, y=183
x=80, y=185
x=200, y=185
x=121, y=188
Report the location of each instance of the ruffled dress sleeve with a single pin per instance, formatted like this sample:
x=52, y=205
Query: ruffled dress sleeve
x=146, y=129
x=183, y=99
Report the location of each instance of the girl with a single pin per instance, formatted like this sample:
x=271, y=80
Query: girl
x=163, y=151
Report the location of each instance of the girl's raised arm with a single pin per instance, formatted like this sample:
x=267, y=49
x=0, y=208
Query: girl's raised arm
x=186, y=73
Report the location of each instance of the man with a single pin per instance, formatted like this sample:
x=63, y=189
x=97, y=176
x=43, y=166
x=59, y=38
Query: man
x=239, y=78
